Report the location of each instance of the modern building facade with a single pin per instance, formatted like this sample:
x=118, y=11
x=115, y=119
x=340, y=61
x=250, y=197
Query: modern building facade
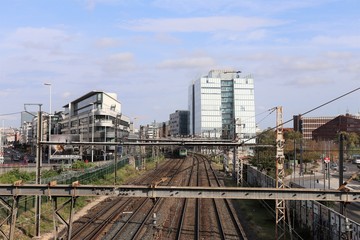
x=154, y=130
x=26, y=127
x=179, y=123
x=306, y=125
x=26, y=133
x=95, y=117
x=330, y=130
x=222, y=105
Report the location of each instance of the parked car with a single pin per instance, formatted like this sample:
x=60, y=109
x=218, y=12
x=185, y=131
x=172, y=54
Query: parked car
x=356, y=159
x=334, y=166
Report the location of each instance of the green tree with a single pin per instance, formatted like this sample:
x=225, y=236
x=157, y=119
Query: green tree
x=265, y=151
x=292, y=137
x=351, y=143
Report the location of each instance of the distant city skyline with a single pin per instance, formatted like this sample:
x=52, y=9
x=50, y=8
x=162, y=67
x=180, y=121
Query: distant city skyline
x=301, y=54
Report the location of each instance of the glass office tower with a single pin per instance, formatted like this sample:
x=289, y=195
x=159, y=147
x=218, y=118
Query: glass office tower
x=222, y=105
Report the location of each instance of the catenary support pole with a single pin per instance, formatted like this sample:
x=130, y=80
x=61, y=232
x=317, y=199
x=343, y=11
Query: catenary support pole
x=38, y=172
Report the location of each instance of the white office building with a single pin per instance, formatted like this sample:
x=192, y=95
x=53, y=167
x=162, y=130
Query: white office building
x=222, y=105
x=95, y=117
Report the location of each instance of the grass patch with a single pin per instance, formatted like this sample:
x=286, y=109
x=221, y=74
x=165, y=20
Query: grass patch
x=258, y=219
x=26, y=220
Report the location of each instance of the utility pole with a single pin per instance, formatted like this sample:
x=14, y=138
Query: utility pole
x=341, y=168
x=116, y=147
x=38, y=166
x=92, y=131
x=2, y=142
x=49, y=123
x=238, y=161
x=38, y=171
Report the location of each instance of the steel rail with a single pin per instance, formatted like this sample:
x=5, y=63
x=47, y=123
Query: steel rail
x=240, y=230
x=95, y=232
x=157, y=202
x=184, y=207
x=216, y=208
x=123, y=227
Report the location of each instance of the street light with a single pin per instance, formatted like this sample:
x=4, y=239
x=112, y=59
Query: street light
x=2, y=143
x=49, y=147
x=92, y=131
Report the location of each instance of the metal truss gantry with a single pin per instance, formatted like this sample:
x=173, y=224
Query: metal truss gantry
x=75, y=190
x=280, y=174
x=78, y=190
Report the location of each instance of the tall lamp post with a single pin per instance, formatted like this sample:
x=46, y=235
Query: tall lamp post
x=49, y=147
x=92, y=132
x=2, y=143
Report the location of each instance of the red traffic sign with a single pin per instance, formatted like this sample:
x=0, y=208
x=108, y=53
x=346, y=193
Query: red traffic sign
x=327, y=159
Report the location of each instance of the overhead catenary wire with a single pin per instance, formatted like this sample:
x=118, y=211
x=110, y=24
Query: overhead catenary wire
x=271, y=110
x=8, y=114
x=307, y=112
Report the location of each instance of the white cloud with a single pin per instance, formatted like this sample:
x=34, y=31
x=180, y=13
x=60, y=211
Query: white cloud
x=241, y=36
x=107, y=42
x=196, y=62
x=115, y=64
x=66, y=94
x=39, y=38
x=338, y=41
x=310, y=81
x=339, y=55
x=121, y=57
x=167, y=38
x=91, y=4
x=310, y=65
x=189, y=6
x=200, y=24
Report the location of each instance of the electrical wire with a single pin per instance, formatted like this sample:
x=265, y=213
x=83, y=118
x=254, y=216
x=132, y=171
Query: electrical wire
x=309, y=111
x=271, y=110
x=247, y=120
x=8, y=114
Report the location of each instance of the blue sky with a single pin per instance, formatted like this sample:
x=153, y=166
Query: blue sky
x=300, y=53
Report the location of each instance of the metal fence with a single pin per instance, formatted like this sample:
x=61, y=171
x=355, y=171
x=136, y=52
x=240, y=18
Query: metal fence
x=83, y=176
x=320, y=221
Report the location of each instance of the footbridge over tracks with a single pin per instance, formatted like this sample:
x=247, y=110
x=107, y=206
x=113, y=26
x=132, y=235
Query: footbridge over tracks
x=157, y=142
x=77, y=190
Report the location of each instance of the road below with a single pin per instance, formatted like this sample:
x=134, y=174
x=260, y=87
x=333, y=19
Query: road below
x=317, y=180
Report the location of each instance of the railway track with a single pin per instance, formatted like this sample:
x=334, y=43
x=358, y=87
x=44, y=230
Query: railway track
x=165, y=218
x=227, y=208
x=135, y=224
x=96, y=224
